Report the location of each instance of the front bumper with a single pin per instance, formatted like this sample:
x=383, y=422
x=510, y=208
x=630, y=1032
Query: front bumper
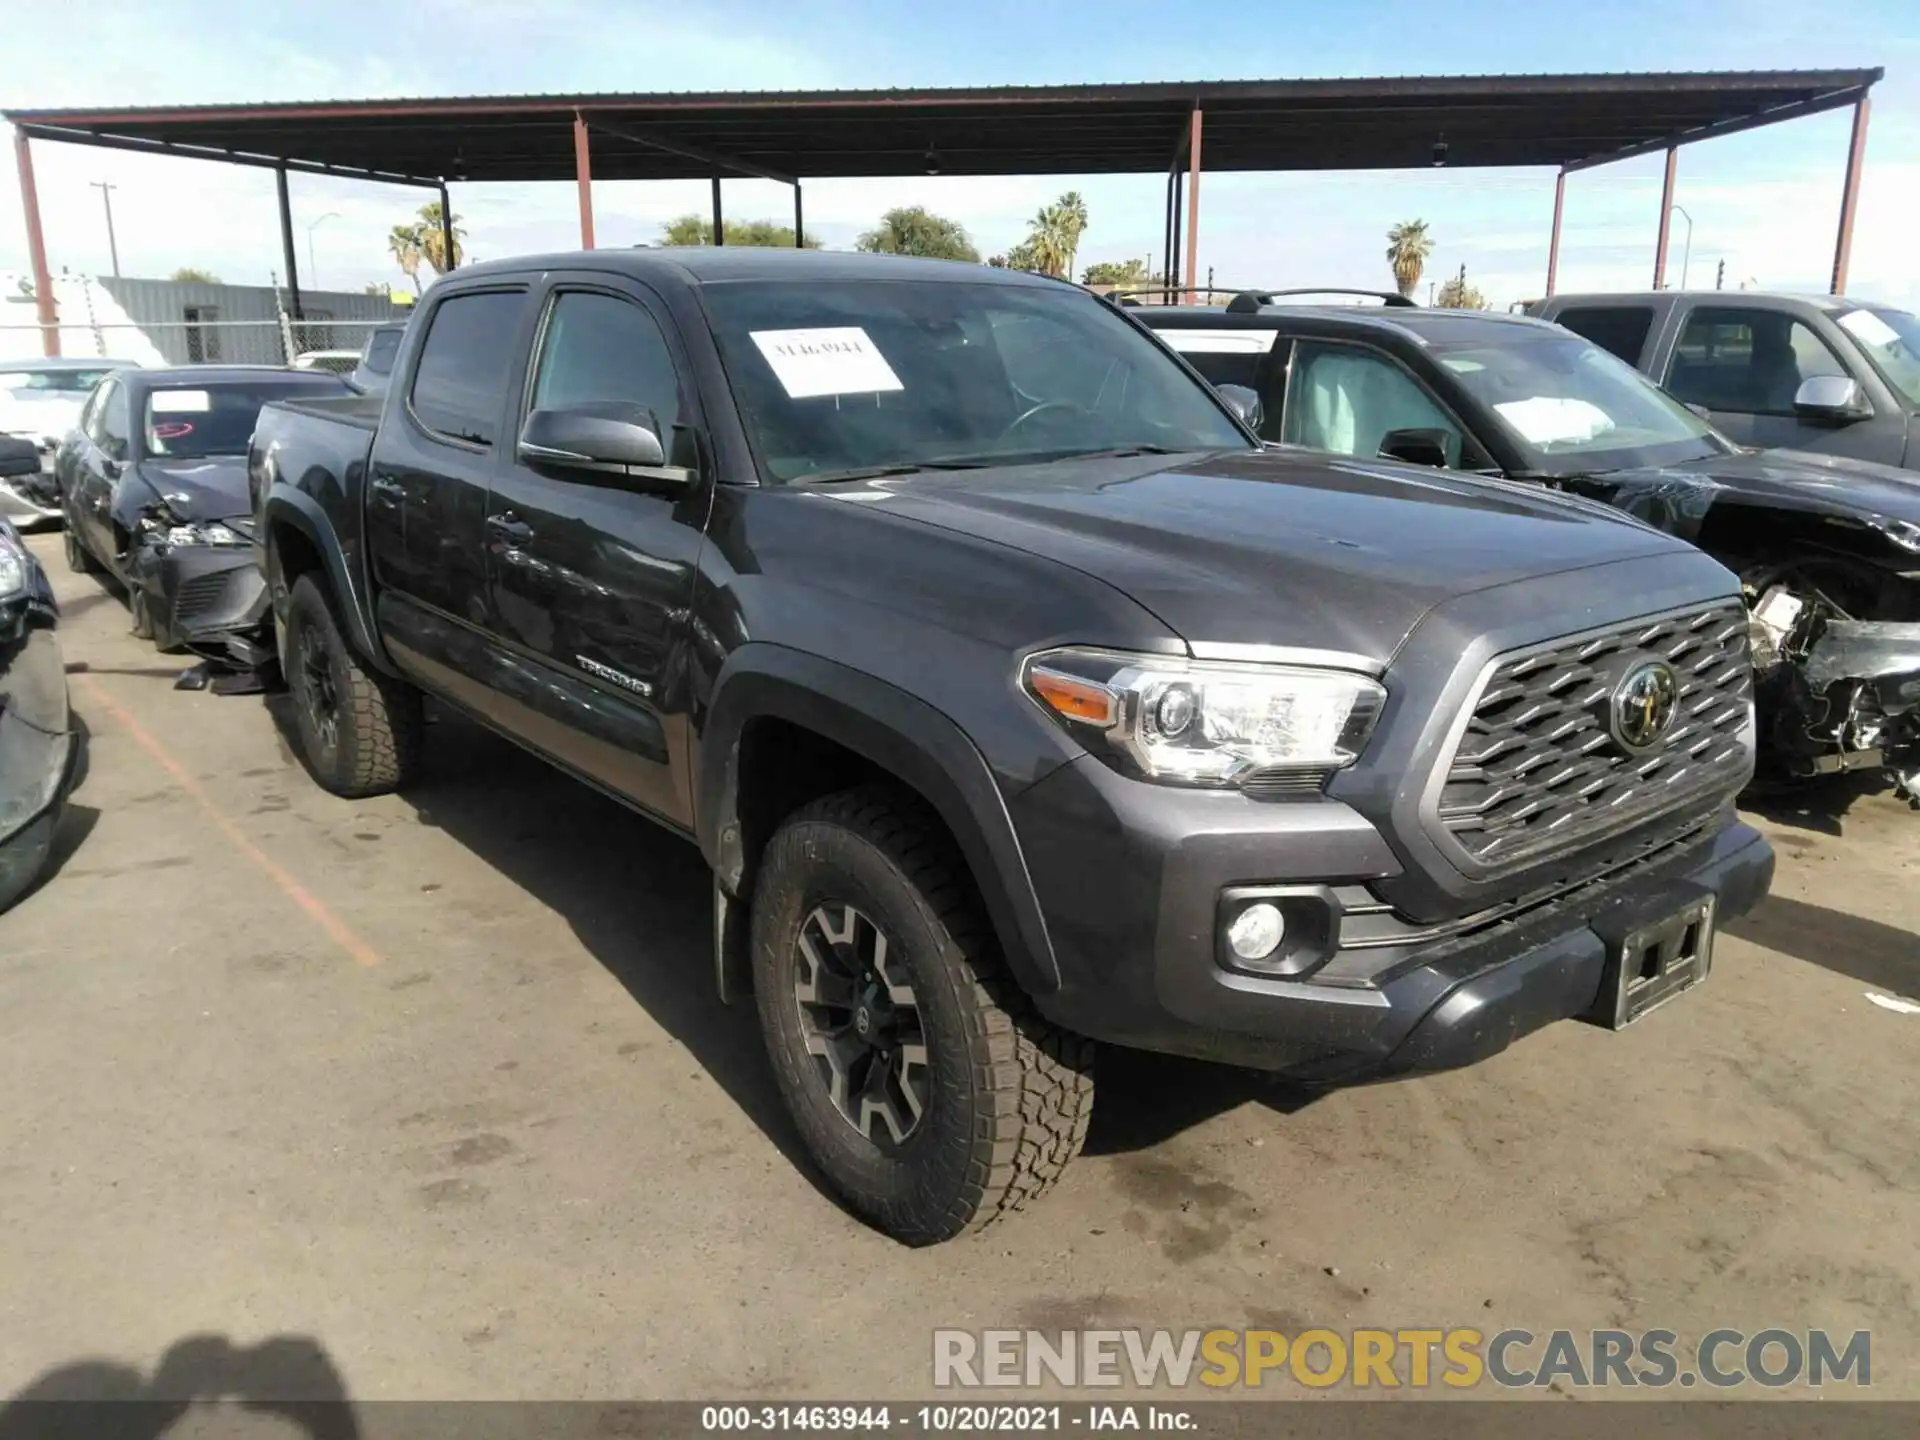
x=209, y=599
x=1132, y=879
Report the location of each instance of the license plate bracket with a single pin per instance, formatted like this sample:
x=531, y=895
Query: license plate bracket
x=1650, y=962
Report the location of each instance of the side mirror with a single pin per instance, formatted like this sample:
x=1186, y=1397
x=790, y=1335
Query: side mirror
x=1245, y=403
x=1415, y=447
x=18, y=457
x=605, y=437
x=1832, y=399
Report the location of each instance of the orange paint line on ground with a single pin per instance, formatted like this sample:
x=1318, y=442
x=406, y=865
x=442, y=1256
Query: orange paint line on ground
x=337, y=929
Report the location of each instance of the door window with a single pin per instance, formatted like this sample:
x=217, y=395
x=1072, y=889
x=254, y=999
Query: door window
x=1348, y=400
x=1748, y=362
x=460, y=384
x=1618, y=329
x=114, y=426
x=601, y=348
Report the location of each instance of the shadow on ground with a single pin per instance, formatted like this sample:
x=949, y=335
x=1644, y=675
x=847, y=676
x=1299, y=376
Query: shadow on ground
x=640, y=900
x=1870, y=951
x=290, y=1378
x=1820, y=805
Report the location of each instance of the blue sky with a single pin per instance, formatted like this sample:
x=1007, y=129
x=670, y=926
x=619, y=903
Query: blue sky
x=1766, y=203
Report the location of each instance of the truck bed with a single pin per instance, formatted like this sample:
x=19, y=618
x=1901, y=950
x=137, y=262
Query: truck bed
x=360, y=411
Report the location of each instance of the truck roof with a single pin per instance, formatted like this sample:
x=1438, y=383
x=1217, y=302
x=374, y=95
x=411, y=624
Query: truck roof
x=1419, y=324
x=704, y=264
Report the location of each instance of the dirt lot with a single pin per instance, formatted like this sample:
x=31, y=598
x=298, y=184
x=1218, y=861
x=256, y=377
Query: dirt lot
x=438, y=1082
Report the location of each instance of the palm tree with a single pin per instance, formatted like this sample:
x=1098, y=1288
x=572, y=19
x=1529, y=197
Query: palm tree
x=1408, y=246
x=433, y=239
x=404, y=243
x=1053, y=236
x=915, y=230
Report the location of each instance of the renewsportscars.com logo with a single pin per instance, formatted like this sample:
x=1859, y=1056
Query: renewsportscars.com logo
x=1459, y=1359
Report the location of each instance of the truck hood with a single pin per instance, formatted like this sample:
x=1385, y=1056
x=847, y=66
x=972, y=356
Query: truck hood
x=1277, y=547
x=210, y=489
x=1677, y=497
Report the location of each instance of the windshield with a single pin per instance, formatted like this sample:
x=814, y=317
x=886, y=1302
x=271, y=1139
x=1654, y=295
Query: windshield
x=1891, y=339
x=193, y=422
x=852, y=376
x=1575, y=409
x=71, y=383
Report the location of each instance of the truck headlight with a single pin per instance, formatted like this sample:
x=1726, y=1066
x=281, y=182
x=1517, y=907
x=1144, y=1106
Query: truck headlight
x=210, y=532
x=1204, y=722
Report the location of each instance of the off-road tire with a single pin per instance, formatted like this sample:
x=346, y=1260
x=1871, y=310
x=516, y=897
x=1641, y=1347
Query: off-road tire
x=1009, y=1094
x=379, y=728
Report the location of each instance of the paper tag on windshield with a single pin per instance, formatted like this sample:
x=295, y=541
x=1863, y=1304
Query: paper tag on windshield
x=1867, y=326
x=837, y=361
x=181, y=402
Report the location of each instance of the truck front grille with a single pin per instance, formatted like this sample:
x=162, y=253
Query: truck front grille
x=1539, y=768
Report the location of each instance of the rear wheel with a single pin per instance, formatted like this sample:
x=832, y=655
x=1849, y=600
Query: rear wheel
x=79, y=559
x=923, y=1085
x=361, y=730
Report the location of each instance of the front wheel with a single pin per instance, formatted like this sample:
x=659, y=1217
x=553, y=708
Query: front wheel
x=923, y=1085
x=79, y=559
x=361, y=730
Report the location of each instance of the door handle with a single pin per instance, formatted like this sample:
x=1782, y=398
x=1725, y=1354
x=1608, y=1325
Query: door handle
x=510, y=527
x=390, y=489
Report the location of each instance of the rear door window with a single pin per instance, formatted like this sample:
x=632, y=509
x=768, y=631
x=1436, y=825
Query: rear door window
x=1618, y=329
x=460, y=385
x=1746, y=361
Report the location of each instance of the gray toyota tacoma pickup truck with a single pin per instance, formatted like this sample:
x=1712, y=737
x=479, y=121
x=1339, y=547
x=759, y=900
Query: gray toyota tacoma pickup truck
x=1017, y=696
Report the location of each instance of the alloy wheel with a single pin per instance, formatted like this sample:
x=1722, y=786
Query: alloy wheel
x=861, y=1022
x=318, y=694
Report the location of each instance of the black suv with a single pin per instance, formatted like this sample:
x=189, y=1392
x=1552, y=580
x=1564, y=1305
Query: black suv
x=1827, y=549
x=1016, y=695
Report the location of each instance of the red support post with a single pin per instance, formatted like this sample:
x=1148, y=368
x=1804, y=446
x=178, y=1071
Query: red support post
x=43, y=305
x=583, y=179
x=1193, y=204
x=1553, y=245
x=1850, y=198
x=1666, y=222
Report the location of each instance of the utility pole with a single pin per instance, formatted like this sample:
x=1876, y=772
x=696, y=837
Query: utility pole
x=106, y=197
x=313, y=270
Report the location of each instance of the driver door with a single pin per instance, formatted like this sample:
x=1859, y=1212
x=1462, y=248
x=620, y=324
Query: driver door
x=1347, y=399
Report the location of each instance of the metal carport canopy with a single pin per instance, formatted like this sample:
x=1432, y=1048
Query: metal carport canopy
x=1568, y=121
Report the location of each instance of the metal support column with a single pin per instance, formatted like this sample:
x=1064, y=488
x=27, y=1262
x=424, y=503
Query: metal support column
x=446, y=230
x=1850, y=198
x=583, y=178
x=1553, y=245
x=1193, y=200
x=719, y=223
x=43, y=305
x=1166, y=241
x=286, y=244
x=799, y=226
x=1666, y=222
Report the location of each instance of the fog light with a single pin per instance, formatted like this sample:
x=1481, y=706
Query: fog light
x=1256, y=932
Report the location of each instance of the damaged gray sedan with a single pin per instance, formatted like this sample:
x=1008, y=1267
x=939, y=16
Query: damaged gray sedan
x=153, y=484
x=1827, y=549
